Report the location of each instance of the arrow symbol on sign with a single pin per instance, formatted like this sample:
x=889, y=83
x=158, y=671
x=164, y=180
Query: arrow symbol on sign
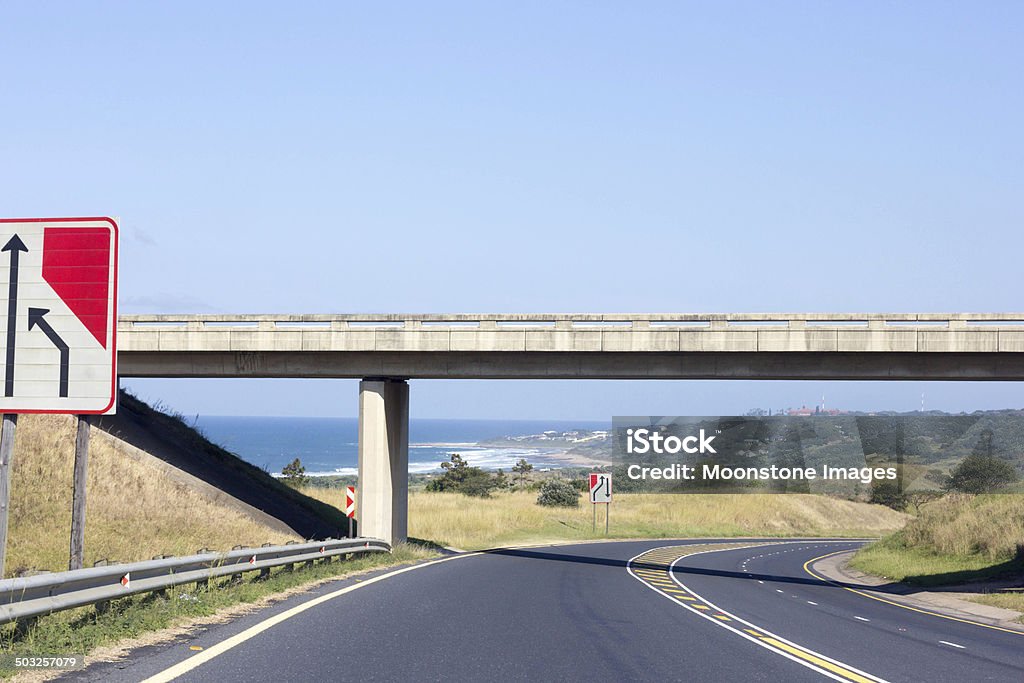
x=15, y=246
x=35, y=317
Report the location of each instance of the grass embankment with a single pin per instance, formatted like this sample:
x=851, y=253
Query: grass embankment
x=232, y=474
x=133, y=511
x=132, y=622
x=508, y=518
x=956, y=539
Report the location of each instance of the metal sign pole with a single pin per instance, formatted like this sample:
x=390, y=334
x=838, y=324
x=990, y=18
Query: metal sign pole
x=10, y=420
x=607, y=511
x=351, y=533
x=78, y=493
x=594, y=505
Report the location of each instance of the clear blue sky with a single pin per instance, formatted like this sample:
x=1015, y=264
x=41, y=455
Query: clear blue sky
x=530, y=156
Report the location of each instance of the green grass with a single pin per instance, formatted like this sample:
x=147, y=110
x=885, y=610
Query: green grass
x=892, y=559
x=83, y=630
x=956, y=539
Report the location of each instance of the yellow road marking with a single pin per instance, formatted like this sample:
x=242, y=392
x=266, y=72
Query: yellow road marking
x=807, y=568
x=817, y=661
x=796, y=652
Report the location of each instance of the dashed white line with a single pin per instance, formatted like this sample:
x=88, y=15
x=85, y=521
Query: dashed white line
x=946, y=642
x=862, y=619
x=812, y=603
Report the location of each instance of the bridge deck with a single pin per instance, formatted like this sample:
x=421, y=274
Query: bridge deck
x=769, y=346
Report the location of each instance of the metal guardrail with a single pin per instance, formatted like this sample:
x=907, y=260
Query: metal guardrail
x=33, y=596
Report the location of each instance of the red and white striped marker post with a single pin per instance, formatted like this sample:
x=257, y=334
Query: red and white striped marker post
x=350, y=508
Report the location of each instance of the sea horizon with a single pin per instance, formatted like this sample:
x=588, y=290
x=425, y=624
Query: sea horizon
x=329, y=445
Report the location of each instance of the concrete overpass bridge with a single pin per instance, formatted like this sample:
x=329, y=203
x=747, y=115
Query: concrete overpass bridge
x=386, y=350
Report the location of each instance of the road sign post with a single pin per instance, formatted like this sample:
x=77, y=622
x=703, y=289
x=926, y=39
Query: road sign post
x=350, y=509
x=10, y=420
x=60, y=352
x=601, y=492
x=77, y=555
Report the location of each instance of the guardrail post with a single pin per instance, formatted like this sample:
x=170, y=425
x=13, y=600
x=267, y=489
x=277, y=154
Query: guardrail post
x=265, y=571
x=237, y=578
x=202, y=584
x=24, y=625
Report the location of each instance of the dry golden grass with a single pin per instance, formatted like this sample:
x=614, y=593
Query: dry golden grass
x=133, y=511
x=956, y=538
x=455, y=520
x=991, y=526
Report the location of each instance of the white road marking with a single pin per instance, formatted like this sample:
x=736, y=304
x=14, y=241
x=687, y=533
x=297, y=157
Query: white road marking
x=812, y=603
x=223, y=646
x=757, y=641
x=862, y=618
x=946, y=642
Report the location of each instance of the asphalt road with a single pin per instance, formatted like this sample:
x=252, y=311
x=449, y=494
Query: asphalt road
x=603, y=611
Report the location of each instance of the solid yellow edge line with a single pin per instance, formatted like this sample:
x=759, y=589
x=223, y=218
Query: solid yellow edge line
x=897, y=604
x=817, y=661
x=223, y=646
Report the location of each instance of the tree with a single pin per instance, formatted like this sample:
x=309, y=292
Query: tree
x=294, y=474
x=459, y=477
x=558, y=493
x=981, y=473
x=522, y=468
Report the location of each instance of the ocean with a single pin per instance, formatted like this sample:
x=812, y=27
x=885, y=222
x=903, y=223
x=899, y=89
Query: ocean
x=329, y=445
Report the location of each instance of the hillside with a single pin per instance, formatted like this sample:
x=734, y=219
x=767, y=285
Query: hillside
x=169, y=438
x=955, y=539
x=163, y=490
x=928, y=445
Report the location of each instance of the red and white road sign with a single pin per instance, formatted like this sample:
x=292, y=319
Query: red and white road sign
x=600, y=487
x=60, y=320
x=350, y=501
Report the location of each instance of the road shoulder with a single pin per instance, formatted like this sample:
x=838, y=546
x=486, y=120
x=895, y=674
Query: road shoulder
x=947, y=601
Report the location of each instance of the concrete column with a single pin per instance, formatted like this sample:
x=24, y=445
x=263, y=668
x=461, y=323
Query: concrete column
x=383, y=496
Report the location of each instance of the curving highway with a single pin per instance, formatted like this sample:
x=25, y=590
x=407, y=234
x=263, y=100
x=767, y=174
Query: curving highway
x=749, y=610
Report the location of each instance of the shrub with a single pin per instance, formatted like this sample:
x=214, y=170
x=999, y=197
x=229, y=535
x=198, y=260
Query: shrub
x=557, y=493
x=888, y=493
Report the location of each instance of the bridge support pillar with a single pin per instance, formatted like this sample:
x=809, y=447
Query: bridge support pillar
x=383, y=497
